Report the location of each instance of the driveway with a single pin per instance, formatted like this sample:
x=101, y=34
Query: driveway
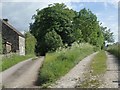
x=22, y=75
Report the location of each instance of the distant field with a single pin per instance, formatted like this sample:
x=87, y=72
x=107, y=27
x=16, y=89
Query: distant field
x=59, y=63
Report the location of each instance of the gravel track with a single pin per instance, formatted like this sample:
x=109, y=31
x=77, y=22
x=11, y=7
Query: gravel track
x=111, y=76
x=76, y=74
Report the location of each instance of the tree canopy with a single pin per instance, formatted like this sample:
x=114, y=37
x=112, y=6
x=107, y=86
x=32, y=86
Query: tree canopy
x=57, y=25
x=87, y=22
x=108, y=36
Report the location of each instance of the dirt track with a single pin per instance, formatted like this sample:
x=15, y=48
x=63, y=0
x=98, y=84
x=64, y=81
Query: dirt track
x=22, y=75
x=111, y=76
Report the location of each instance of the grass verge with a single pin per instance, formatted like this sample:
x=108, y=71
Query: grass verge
x=7, y=62
x=98, y=64
x=97, y=69
x=59, y=63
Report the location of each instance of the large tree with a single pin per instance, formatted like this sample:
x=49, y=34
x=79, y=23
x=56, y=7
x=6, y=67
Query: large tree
x=55, y=17
x=88, y=24
x=57, y=25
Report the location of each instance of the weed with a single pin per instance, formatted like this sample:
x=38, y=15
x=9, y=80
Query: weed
x=58, y=63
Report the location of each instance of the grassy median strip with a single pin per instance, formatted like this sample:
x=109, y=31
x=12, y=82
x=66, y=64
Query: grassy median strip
x=58, y=63
x=97, y=69
x=98, y=65
x=7, y=62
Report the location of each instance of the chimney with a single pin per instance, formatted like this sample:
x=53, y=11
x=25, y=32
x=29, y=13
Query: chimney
x=6, y=20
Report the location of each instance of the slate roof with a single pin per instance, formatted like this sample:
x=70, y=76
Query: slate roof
x=12, y=28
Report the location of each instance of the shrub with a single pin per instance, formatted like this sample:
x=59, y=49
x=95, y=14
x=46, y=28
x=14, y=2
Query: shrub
x=96, y=48
x=30, y=43
x=114, y=49
x=52, y=41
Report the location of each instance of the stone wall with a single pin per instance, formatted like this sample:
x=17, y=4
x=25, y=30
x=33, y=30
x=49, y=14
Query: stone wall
x=10, y=36
x=0, y=37
x=0, y=43
x=21, y=45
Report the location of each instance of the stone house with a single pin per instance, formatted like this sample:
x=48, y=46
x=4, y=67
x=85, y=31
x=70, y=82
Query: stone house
x=12, y=40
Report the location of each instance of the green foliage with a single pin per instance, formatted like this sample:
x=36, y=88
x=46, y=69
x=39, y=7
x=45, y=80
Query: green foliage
x=53, y=41
x=98, y=64
x=114, y=49
x=96, y=48
x=71, y=26
x=7, y=62
x=108, y=36
x=87, y=22
x=60, y=62
x=30, y=43
x=55, y=17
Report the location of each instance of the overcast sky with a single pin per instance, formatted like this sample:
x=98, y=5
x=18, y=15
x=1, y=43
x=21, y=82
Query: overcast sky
x=19, y=13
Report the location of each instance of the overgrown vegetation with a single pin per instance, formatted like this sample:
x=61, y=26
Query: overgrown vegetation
x=97, y=69
x=114, y=49
x=60, y=25
x=58, y=63
x=9, y=61
x=30, y=43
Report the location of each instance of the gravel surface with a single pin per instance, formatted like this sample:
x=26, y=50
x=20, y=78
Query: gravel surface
x=111, y=76
x=74, y=75
x=22, y=75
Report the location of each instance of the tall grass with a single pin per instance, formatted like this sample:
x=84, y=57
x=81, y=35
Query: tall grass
x=114, y=49
x=58, y=63
x=7, y=62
